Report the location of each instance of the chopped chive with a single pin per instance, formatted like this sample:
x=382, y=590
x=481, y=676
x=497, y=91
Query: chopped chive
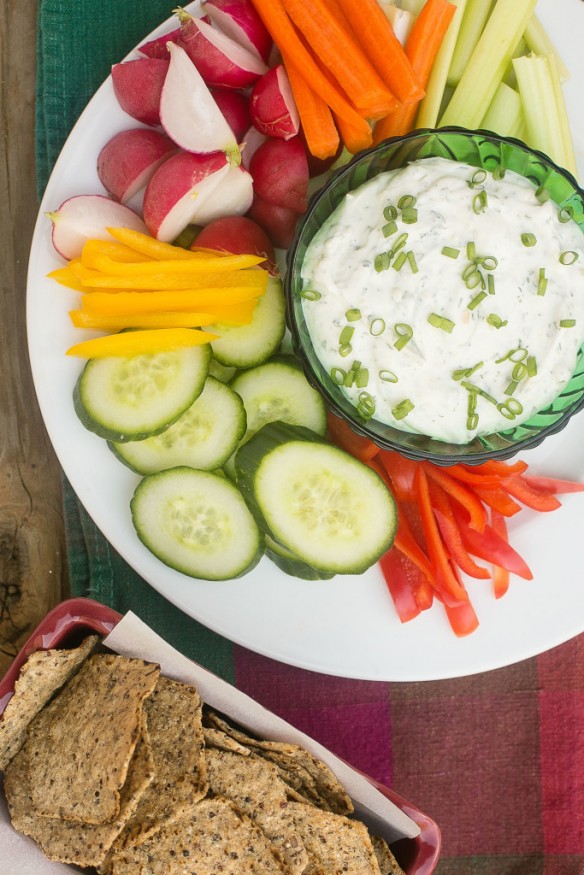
x=471, y=251
x=310, y=294
x=542, y=194
x=399, y=260
x=377, y=327
x=565, y=214
x=389, y=229
x=528, y=239
x=489, y=262
x=441, y=322
x=490, y=284
x=345, y=350
x=499, y=173
x=338, y=376
x=472, y=401
x=412, y=261
x=542, y=282
x=479, y=202
x=496, y=321
x=518, y=354
x=450, y=252
x=469, y=269
x=472, y=421
x=519, y=372
x=569, y=257
x=362, y=378
x=349, y=379
x=390, y=212
x=567, y=323
x=353, y=314
x=511, y=408
x=366, y=405
x=399, y=242
x=406, y=201
x=404, y=334
x=531, y=365
x=511, y=387
x=401, y=410
x=477, y=178
x=474, y=279
x=466, y=372
x=382, y=261
x=476, y=390
x=476, y=301
x=388, y=376
x=409, y=216
x=346, y=335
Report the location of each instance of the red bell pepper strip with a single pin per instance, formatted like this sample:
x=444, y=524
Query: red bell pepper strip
x=399, y=572
x=464, y=496
x=451, y=534
x=499, y=500
x=533, y=498
x=488, y=545
x=401, y=472
x=462, y=618
x=504, y=469
x=476, y=477
x=342, y=435
x=552, y=484
x=500, y=575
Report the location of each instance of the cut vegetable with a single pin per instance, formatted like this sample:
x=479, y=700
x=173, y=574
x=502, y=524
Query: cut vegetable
x=232, y=197
x=238, y=234
x=127, y=161
x=291, y=564
x=133, y=398
x=239, y=20
x=473, y=23
x=249, y=345
x=280, y=173
x=204, y=437
x=272, y=105
x=331, y=511
x=138, y=86
x=143, y=342
x=85, y=217
x=197, y=523
x=430, y=107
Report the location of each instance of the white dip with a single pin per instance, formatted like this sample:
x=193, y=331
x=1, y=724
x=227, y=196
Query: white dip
x=514, y=321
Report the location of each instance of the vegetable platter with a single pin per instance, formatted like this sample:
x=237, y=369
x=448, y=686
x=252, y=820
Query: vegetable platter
x=346, y=626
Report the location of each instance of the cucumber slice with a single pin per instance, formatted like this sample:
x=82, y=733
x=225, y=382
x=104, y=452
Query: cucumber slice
x=131, y=398
x=291, y=564
x=197, y=523
x=204, y=437
x=331, y=511
x=247, y=345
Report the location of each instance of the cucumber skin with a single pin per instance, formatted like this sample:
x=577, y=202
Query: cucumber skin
x=231, y=353
x=91, y=424
x=291, y=565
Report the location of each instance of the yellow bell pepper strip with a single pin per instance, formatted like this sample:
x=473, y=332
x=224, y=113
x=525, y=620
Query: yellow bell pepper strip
x=128, y=343
x=150, y=246
x=116, y=322
x=93, y=279
x=196, y=265
x=158, y=302
x=93, y=249
x=65, y=277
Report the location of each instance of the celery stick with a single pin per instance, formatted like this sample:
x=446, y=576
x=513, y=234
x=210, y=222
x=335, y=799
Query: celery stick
x=413, y=6
x=546, y=118
x=539, y=43
x=505, y=114
x=430, y=106
x=488, y=63
x=510, y=78
x=473, y=23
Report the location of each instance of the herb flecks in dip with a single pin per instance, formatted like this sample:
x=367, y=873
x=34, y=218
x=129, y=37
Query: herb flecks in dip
x=446, y=300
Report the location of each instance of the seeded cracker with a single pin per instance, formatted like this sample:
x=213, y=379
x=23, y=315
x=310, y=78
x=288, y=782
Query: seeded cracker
x=388, y=865
x=225, y=840
x=255, y=786
x=44, y=672
x=81, y=744
x=66, y=841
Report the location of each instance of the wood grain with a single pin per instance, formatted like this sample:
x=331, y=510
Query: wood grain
x=32, y=557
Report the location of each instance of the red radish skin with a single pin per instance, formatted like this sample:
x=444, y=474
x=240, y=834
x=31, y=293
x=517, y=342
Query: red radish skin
x=239, y=235
x=252, y=140
x=235, y=109
x=158, y=48
x=280, y=173
x=278, y=222
x=220, y=60
x=188, y=112
x=138, y=86
x=240, y=21
x=86, y=217
x=128, y=160
x=179, y=189
x=272, y=106
x=232, y=197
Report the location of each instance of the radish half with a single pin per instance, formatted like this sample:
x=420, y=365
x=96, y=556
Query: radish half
x=240, y=21
x=232, y=197
x=188, y=112
x=179, y=189
x=252, y=140
x=86, y=217
x=272, y=105
x=220, y=60
x=158, y=47
x=138, y=86
x=128, y=160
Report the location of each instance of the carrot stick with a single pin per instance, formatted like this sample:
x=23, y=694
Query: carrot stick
x=375, y=34
x=277, y=22
x=354, y=139
x=318, y=126
x=422, y=47
x=343, y=56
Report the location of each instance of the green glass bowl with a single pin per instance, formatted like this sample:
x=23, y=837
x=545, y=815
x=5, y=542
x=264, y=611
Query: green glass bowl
x=481, y=149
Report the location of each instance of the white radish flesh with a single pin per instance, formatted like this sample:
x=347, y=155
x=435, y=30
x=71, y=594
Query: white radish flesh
x=232, y=197
x=272, y=105
x=128, y=160
x=252, y=140
x=220, y=60
x=240, y=21
x=178, y=189
x=138, y=86
x=86, y=217
x=188, y=112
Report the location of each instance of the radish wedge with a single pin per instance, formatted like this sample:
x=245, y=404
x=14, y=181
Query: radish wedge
x=272, y=106
x=188, y=112
x=127, y=161
x=138, y=85
x=158, y=47
x=239, y=20
x=87, y=217
x=232, y=197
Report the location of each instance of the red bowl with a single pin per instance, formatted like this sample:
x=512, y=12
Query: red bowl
x=69, y=622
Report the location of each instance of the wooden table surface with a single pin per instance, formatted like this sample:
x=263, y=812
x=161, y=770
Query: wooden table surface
x=32, y=556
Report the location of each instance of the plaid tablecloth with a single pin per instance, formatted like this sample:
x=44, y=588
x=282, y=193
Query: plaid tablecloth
x=496, y=759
